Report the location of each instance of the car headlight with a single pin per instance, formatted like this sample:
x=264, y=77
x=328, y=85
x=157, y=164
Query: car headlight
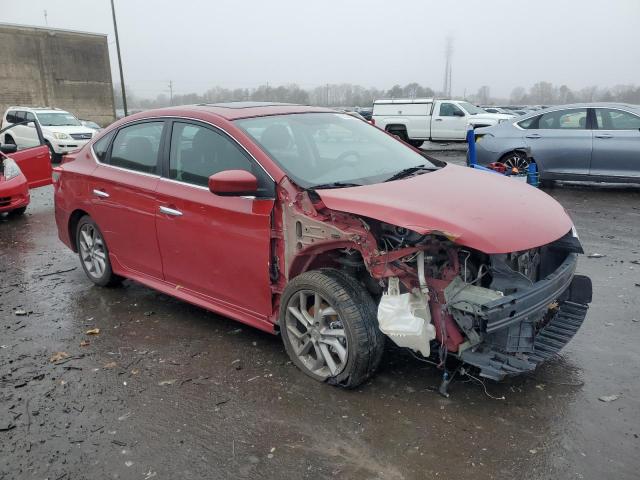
x=11, y=169
x=61, y=136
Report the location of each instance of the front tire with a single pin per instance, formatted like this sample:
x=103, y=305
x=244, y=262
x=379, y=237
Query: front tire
x=329, y=328
x=516, y=160
x=18, y=211
x=55, y=157
x=94, y=254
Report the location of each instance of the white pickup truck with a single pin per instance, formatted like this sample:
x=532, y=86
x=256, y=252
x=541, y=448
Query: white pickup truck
x=418, y=119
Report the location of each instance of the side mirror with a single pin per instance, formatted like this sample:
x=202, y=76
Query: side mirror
x=233, y=183
x=9, y=148
x=458, y=113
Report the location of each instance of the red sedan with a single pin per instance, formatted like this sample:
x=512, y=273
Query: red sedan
x=312, y=224
x=20, y=171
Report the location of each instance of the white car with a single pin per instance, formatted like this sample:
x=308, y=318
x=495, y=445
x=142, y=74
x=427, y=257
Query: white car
x=419, y=119
x=62, y=131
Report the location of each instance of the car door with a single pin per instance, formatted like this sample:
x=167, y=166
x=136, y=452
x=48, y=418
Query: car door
x=34, y=161
x=449, y=122
x=123, y=189
x=561, y=142
x=215, y=247
x=616, y=143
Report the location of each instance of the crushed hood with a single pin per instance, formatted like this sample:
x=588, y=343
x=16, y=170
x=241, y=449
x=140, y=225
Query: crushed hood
x=481, y=210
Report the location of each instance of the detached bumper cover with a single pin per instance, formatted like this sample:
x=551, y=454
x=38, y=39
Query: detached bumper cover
x=532, y=302
x=517, y=319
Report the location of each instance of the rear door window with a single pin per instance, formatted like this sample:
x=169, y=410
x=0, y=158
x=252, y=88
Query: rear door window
x=136, y=147
x=574, y=119
x=611, y=119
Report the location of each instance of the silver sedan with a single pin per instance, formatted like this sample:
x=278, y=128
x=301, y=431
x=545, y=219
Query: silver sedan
x=591, y=141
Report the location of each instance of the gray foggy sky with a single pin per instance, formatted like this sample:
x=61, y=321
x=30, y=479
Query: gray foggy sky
x=245, y=43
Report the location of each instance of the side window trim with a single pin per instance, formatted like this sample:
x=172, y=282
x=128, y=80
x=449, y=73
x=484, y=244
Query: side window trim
x=167, y=151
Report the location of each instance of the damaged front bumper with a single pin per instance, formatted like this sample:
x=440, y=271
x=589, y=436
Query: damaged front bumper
x=523, y=329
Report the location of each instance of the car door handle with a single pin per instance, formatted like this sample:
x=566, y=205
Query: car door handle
x=533, y=135
x=438, y=119
x=170, y=211
x=100, y=193
x=604, y=135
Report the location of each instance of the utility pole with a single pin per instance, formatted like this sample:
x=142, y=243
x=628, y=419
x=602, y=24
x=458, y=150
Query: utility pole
x=115, y=29
x=448, y=52
x=327, y=94
x=170, y=92
x=46, y=22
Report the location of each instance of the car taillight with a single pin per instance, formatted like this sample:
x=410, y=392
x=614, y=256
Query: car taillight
x=372, y=122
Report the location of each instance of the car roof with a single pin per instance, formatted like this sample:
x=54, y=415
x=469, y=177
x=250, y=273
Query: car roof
x=234, y=110
x=37, y=109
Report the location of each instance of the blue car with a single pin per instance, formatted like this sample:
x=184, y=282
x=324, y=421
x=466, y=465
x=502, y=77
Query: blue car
x=591, y=142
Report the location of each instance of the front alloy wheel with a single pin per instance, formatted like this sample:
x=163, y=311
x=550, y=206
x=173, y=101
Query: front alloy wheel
x=316, y=334
x=328, y=322
x=516, y=160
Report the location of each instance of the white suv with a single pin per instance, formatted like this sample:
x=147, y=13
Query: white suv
x=62, y=131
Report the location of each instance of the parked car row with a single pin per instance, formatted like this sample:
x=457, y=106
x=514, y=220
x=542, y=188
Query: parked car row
x=593, y=141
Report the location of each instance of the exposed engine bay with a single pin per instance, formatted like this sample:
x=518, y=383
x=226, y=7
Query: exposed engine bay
x=500, y=313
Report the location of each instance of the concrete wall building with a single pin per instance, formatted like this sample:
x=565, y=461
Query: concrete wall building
x=56, y=68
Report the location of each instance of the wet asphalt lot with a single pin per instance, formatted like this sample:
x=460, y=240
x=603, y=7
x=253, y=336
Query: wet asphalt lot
x=169, y=391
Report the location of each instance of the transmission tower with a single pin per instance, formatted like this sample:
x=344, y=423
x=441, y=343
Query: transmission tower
x=448, y=52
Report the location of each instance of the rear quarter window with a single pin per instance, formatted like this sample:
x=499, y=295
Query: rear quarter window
x=101, y=147
x=529, y=123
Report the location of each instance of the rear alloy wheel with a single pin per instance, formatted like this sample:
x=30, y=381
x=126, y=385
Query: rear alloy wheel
x=516, y=160
x=94, y=255
x=329, y=328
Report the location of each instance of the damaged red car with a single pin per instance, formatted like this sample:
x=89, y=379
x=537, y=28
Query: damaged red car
x=315, y=225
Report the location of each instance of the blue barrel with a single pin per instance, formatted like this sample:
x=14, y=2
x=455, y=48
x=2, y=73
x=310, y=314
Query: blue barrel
x=532, y=175
x=471, y=141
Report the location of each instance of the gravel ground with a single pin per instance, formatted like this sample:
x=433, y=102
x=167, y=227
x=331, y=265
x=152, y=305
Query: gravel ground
x=167, y=390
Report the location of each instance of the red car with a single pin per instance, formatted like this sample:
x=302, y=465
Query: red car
x=315, y=225
x=20, y=171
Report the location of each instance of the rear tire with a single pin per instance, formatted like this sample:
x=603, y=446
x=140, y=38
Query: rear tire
x=8, y=139
x=416, y=143
x=94, y=254
x=328, y=323
x=401, y=134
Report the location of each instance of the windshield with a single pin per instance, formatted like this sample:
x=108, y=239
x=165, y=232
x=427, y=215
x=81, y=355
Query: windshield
x=471, y=109
x=57, y=119
x=327, y=148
